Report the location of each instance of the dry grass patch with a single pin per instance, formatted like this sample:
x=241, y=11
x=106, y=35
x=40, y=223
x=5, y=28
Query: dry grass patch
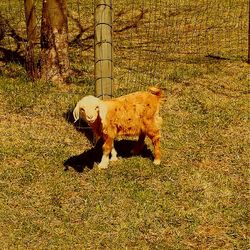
x=196, y=199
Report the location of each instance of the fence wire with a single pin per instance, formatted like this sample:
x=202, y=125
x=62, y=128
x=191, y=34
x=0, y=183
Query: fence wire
x=148, y=36
x=147, y=33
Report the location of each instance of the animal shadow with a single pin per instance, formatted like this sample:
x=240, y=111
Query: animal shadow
x=88, y=158
x=79, y=125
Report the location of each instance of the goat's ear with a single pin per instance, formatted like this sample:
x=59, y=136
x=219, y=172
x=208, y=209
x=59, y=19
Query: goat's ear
x=97, y=108
x=76, y=112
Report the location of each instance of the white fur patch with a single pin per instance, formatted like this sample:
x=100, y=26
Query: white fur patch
x=113, y=155
x=104, y=162
x=157, y=162
x=87, y=108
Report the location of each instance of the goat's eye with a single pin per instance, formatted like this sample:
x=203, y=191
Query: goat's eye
x=82, y=110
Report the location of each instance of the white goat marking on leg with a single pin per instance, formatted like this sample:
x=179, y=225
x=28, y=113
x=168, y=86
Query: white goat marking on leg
x=104, y=162
x=113, y=155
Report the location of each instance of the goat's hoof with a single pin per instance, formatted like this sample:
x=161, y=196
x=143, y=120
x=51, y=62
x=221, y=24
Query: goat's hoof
x=114, y=158
x=102, y=166
x=157, y=162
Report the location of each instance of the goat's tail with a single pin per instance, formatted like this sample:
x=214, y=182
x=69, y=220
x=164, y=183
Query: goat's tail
x=155, y=91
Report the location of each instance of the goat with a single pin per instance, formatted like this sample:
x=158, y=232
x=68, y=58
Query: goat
x=135, y=114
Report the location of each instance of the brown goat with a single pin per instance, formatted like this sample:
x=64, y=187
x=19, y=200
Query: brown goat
x=130, y=115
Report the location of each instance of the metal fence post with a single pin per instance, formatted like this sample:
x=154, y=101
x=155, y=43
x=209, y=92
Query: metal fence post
x=103, y=49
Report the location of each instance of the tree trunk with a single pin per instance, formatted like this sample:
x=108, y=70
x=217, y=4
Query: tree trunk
x=54, y=41
x=30, y=16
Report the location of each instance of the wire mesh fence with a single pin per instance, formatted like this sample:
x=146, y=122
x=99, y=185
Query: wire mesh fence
x=150, y=39
x=148, y=34
x=160, y=32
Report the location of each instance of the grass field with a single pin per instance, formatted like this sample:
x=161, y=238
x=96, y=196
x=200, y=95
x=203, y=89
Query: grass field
x=52, y=196
x=196, y=199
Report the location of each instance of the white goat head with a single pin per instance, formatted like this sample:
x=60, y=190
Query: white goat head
x=87, y=108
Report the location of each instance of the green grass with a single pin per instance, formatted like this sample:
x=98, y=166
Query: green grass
x=196, y=199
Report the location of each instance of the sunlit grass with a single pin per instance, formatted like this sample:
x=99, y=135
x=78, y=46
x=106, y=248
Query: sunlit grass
x=196, y=199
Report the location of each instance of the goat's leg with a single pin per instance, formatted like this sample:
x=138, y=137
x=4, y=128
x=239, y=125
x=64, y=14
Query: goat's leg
x=113, y=154
x=156, y=143
x=155, y=138
x=107, y=147
x=139, y=144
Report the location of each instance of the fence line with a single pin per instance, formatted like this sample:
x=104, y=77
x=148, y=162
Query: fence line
x=168, y=31
x=147, y=35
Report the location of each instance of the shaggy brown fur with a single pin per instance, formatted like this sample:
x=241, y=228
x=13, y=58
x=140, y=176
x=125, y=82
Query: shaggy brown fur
x=129, y=115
